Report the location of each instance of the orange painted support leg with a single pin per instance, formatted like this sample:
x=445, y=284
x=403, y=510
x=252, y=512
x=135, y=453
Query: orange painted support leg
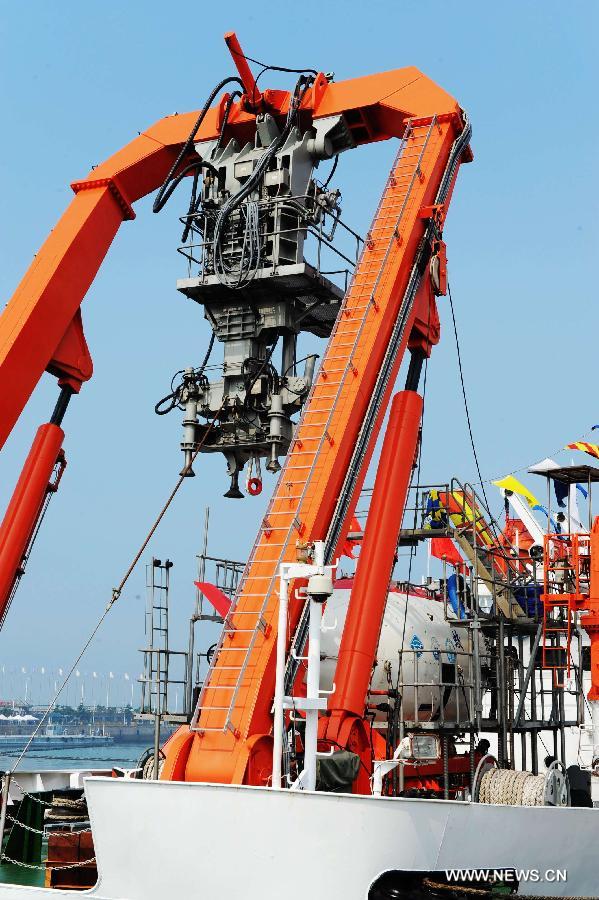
x=359, y=643
x=26, y=505
x=590, y=622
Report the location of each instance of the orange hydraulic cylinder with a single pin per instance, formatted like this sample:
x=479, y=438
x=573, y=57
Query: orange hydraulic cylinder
x=26, y=505
x=369, y=593
x=245, y=73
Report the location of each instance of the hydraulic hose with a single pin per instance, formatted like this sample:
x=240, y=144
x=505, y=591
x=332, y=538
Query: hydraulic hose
x=237, y=199
x=162, y=196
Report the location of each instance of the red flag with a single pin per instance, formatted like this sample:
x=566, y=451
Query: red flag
x=347, y=548
x=444, y=548
x=215, y=596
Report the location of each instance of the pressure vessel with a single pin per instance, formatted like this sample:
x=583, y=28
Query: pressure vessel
x=421, y=655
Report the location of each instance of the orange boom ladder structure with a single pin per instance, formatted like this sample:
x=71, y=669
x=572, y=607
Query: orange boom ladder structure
x=389, y=307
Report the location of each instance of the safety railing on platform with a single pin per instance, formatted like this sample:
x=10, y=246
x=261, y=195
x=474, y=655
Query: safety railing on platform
x=437, y=688
x=321, y=227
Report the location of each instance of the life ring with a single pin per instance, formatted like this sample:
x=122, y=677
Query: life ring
x=254, y=486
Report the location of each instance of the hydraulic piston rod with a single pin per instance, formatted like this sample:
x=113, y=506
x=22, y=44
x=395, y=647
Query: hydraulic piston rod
x=27, y=505
x=377, y=555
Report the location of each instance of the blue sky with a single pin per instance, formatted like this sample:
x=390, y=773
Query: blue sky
x=78, y=80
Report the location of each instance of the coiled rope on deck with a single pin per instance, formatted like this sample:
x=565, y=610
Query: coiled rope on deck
x=509, y=788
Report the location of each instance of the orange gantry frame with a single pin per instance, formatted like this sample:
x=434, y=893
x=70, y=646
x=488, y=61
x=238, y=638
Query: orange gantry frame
x=234, y=721
x=41, y=310
x=230, y=740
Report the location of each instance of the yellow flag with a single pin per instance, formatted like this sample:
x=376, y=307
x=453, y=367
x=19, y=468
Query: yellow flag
x=509, y=483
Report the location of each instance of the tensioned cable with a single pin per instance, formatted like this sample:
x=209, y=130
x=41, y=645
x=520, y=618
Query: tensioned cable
x=481, y=483
x=526, y=467
x=116, y=592
x=268, y=66
x=464, y=395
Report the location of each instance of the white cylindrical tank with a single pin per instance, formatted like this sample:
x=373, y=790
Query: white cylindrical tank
x=434, y=673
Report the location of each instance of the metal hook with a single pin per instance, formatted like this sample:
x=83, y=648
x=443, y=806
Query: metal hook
x=324, y=627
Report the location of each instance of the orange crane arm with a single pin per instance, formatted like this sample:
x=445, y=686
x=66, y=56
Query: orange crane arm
x=41, y=310
x=230, y=736
x=40, y=329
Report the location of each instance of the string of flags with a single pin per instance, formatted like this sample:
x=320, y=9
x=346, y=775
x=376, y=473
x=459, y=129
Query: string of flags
x=510, y=483
x=584, y=447
x=444, y=548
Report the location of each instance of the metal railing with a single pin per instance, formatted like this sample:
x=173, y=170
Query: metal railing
x=301, y=214
x=444, y=687
x=160, y=690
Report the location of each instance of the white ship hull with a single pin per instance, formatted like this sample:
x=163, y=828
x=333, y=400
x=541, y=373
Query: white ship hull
x=161, y=840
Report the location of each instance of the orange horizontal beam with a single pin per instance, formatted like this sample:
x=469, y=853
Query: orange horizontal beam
x=42, y=307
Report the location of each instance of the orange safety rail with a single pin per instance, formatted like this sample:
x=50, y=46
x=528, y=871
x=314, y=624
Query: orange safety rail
x=464, y=513
x=566, y=588
x=463, y=509
x=235, y=705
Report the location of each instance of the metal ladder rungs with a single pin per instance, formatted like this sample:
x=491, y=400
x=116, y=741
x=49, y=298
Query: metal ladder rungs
x=224, y=669
x=397, y=199
x=238, y=630
x=202, y=728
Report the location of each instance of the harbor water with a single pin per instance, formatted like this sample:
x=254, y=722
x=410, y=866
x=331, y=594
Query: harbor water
x=105, y=756
x=101, y=757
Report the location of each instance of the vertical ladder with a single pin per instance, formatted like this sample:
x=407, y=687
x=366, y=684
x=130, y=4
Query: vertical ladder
x=567, y=559
x=155, y=678
x=311, y=478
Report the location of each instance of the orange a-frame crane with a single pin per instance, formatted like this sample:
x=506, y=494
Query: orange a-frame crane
x=388, y=308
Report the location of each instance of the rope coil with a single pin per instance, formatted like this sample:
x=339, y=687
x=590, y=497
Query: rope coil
x=505, y=787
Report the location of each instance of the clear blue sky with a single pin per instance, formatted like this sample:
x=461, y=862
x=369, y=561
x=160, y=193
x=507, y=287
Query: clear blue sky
x=78, y=80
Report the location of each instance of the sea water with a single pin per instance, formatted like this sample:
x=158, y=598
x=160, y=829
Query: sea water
x=125, y=756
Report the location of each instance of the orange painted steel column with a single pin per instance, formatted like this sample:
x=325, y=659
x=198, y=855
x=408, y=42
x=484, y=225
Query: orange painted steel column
x=245, y=73
x=590, y=621
x=25, y=506
x=369, y=593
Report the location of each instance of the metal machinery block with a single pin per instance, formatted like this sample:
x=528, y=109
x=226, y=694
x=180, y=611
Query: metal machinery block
x=245, y=238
